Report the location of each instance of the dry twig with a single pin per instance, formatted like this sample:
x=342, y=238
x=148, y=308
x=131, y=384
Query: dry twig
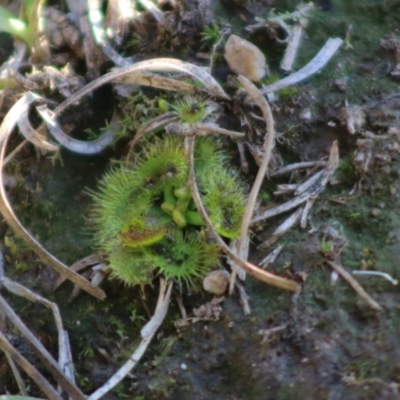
x=147, y=334
x=258, y=273
x=6, y=128
x=41, y=352
x=355, y=285
x=242, y=244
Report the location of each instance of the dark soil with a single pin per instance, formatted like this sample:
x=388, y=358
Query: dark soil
x=324, y=342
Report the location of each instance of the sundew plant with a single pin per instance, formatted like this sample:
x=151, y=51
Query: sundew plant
x=144, y=216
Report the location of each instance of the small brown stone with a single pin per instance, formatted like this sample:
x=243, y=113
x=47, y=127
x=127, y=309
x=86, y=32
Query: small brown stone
x=216, y=282
x=244, y=58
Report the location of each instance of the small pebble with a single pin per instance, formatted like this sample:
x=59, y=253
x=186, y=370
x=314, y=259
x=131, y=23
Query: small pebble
x=245, y=59
x=375, y=212
x=216, y=282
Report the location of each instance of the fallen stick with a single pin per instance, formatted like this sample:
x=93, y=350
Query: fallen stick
x=318, y=62
x=355, y=285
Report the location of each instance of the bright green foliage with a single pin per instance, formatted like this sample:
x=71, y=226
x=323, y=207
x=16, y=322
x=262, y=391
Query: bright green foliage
x=210, y=35
x=191, y=110
x=145, y=218
x=11, y=24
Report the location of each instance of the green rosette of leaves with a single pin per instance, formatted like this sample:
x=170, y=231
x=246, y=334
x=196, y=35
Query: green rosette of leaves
x=145, y=220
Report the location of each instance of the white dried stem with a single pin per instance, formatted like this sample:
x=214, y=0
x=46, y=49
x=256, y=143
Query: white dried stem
x=305, y=212
x=377, y=273
x=250, y=268
x=157, y=81
x=34, y=136
x=17, y=375
x=262, y=171
x=6, y=128
x=64, y=355
x=42, y=353
x=12, y=154
x=303, y=187
x=355, y=285
x=318, y=62
x=147, y=334
x=83, y=263
x=285, y=188
x=289, y=223
x=155, y=12
x=78, y=146
x=244, y=298
x=95, y=18
x=300, y=165
x=271, y=257
x=292, y=48
x=215, y=47
x=313, y=192
x=157, y=64
x=182, y=129
x=156, y=123
x=29, y=369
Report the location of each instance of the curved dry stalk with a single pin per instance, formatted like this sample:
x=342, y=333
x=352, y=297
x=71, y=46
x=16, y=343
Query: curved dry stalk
x=250, y=268
x=95, y=18
x=42, y=353
x=78, y=146
x=318, y=62
x=147, y=334
x=29, y=369
x=31, y=134
x=156, y=123
x=242, y=243
x=79, y=265
x=155, y=64
x=155, y=11
x=6, y=127
x=158, y=82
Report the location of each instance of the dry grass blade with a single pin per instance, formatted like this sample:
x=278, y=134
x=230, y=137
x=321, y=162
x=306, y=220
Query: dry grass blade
x=85, y=262
x=272, y=212
x=155, y=123
x=155, y=12
x=271, y=257
x=295, y=166
x=313, y=192
x=17, y=375
x=289, y=223
x=95, y=18
x=182, y=129
x=31, y=134
x=157, y=81
x=147, y=333
x=64, y=355
x=250, y=268
x=318, y=62
x=155, y=64
x=6, y=127
x=78, y=146
x=29, y=369
x=267, y=150
x=42, y=353
x=355, y=285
